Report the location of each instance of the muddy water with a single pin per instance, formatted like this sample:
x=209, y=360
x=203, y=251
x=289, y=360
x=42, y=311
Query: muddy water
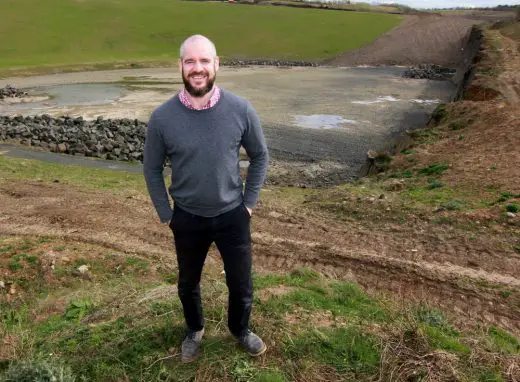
x=329, y=117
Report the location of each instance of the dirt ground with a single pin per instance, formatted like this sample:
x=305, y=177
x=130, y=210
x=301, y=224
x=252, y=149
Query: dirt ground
x=428, y=38
x=469, y=267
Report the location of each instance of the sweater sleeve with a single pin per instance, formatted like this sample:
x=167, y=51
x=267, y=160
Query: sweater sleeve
x=154, y=156
x=253, y=142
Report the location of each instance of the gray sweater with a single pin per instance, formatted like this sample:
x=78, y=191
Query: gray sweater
x=203, y=146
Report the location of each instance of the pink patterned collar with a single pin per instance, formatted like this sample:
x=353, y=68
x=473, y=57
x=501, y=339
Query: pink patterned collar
x=215, y=97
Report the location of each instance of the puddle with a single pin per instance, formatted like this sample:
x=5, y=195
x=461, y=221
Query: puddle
x=66, y=95
x=426, y=101
x=378, y=100
x=321, y=121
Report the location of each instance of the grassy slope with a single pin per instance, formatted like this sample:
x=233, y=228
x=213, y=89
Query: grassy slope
x=127, y=326
x=65, y=32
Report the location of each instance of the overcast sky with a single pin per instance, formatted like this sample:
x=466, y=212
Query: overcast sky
x=450, y=4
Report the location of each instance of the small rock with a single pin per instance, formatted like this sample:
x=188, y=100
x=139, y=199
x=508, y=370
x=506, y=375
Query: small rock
x=62, y=148
x=395, y=185
x=511, y=215
x=2, y=284
x=12, y=290
x=65, y=260
x=275, y=214
x=83, y=269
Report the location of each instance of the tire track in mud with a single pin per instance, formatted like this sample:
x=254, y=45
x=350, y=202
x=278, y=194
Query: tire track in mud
x=473, y=295
x=288, y=239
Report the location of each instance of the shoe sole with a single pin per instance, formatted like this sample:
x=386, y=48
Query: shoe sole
x=191, y=359
x=264, y=349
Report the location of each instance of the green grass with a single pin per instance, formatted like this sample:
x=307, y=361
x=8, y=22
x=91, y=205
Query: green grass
x=348, y=350
x=434, y=169
x=129, y=327
x=85, y=177
x=503, y=341
x=66, y=32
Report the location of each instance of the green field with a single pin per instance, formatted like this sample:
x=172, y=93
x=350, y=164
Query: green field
x=69, y=32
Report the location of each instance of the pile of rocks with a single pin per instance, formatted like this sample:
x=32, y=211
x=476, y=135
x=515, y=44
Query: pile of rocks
x=11, y=91
x=117, y=139
x=429, y=72
x=270, y=63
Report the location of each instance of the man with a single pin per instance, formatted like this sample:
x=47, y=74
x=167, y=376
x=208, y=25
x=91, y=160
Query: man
x=201, y=130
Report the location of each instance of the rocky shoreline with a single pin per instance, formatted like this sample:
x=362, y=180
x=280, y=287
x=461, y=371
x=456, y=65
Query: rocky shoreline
x=235, y=62
x=113, y=139
x=11, y=91
x=429, y=72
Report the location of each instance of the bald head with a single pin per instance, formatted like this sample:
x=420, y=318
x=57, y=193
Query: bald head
x=200, y=41
x=199, y=65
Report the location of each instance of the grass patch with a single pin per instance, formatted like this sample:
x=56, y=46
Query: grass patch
x=340, y=299
x=298, y=277
x=439, y=339
x=459, y=124
x=84, y=177
x=435, y=169
x=431, y=196
x=505, y=196
x=348, y=350
x=39, y=371
x=63, y=32
x=139, y=339
x=439, y=114
x=434, y=184
x=503, y=341
x=434, y=324
x=78, y=309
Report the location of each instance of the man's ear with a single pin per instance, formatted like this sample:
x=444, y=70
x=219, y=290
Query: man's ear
x=179, y=62
x=217, y=63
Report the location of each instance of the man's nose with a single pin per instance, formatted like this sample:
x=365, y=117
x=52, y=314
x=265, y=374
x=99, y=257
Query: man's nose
x=197, y=66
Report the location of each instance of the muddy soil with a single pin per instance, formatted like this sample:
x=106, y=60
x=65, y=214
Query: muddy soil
x=422, y=260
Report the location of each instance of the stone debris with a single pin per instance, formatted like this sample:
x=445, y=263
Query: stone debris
x=429, y=72
x=11, y=91
x=83, y=269
x=118, y=139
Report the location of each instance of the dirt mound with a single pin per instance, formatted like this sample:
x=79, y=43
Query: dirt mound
x=425, y=39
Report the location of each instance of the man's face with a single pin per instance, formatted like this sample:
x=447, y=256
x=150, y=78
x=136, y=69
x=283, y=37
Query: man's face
x=199, y=68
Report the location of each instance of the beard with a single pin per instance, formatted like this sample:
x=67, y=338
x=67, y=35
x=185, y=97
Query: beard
x=198, y=92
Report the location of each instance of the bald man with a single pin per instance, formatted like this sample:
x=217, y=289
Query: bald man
x=201, y=130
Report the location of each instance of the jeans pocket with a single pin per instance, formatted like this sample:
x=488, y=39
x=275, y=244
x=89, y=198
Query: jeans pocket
x=246, y=211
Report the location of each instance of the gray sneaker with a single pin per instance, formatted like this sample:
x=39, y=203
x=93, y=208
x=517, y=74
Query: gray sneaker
x=252, y=344
x=190, y=348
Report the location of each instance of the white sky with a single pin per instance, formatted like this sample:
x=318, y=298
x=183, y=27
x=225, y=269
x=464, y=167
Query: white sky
x=452, y=3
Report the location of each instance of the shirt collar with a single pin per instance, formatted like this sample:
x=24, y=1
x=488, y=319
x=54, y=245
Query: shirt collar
x=215, y=97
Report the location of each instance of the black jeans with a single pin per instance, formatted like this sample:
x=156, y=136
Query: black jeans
x=193, y=236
